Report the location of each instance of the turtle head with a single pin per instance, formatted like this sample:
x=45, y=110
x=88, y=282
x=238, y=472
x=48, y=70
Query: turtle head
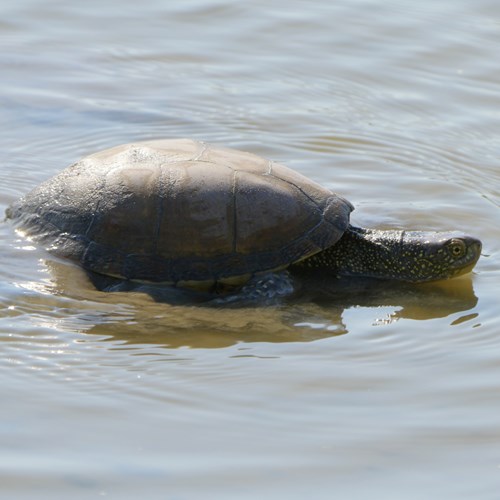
x=429, y=256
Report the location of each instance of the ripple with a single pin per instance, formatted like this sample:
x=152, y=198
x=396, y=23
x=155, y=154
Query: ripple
x=393, y=105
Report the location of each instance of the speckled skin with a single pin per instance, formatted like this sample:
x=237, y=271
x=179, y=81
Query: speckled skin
x=190, y=214
x=413, y=256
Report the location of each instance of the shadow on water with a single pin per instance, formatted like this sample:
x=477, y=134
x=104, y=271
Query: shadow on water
x=170, y=317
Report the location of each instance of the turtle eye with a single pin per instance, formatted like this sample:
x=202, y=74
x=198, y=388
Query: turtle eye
x=456, y=248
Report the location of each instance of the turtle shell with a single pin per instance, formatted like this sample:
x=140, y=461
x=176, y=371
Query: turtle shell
x=181, y=211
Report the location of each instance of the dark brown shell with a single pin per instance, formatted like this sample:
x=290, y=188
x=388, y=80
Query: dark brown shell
x=181, y=210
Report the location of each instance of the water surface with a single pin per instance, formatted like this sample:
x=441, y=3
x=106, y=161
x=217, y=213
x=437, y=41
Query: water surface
x=372, y=392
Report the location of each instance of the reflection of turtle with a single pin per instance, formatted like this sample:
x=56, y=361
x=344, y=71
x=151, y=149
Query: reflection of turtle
x=186, y=213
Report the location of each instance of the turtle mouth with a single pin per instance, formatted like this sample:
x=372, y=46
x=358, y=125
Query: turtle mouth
x=463, y=270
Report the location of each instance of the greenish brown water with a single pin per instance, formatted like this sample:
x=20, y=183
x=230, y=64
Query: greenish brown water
x=357, y=392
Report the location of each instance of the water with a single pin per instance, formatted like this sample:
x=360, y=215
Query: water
x=378, y=392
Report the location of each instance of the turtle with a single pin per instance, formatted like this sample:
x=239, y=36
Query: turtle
x=186, y=213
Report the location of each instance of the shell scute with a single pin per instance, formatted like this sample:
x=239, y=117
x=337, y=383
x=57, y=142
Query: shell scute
x=181, y=211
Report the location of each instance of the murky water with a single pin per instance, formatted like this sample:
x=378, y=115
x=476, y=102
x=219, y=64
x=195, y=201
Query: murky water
x=360, y=392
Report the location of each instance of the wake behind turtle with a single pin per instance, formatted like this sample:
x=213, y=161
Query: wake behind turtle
x=185, y=213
